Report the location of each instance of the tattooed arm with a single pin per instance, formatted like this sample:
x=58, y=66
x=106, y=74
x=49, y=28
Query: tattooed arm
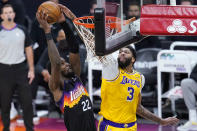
x=143, y=112
x=55, y=80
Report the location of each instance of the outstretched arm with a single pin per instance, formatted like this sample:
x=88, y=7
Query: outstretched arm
x=143, y=112
x=71, y=37
x=53, y=53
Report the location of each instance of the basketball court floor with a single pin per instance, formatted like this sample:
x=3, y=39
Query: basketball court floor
x=51, y=124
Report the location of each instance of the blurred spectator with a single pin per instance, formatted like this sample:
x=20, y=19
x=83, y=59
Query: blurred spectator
x=189, y=90
x=38, y=37
x=92, y=6
x=43, y=69
x=133, y=10
x=19, y=9
x=14, y=74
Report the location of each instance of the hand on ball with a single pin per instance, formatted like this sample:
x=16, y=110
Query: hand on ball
x=42, y=19
x=67, y=12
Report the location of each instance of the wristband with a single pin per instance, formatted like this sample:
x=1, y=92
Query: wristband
x=48, y=36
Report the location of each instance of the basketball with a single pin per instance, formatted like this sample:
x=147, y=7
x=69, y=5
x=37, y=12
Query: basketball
x=52, y=10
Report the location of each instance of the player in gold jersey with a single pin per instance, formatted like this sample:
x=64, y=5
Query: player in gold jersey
x=121, y=95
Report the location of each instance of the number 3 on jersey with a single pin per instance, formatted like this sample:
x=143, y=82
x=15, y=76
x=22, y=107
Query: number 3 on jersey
x=131, y=93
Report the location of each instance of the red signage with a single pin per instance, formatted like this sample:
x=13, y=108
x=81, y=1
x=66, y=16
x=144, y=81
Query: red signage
x=168, y=20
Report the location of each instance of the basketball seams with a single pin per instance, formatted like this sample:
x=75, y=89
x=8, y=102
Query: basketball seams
x=48, y=10
x=42, y=6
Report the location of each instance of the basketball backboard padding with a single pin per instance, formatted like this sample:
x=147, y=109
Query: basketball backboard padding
x=99, y=21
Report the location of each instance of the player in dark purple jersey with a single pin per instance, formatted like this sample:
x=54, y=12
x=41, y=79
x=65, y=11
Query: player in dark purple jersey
x=65, y=84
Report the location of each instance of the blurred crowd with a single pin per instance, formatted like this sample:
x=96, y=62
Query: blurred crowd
x=41, y=62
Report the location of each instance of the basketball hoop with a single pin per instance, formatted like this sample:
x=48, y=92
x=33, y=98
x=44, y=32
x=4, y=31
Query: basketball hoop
x=85, y=27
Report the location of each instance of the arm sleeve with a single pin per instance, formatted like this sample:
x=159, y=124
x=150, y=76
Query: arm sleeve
x=110, y=71
x=41, y=65
x=71, y=36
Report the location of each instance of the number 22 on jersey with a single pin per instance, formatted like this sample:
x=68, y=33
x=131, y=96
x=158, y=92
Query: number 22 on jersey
x=86, y=105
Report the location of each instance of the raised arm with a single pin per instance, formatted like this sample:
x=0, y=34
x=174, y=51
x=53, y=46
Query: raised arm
x=72, y=38
x=143, y=112
x=53, y=53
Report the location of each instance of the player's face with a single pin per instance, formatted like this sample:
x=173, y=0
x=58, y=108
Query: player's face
x=66, y=69
x=125, y=58
x=8, y=14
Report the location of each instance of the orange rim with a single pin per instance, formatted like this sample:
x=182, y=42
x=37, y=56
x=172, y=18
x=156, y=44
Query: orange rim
x=113, y=21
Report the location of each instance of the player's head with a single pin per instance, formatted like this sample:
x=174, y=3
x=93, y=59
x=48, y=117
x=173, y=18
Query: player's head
x=133, y=10
x=7, y=13
x=126, y=57
x=66, y=69
x=186, y=2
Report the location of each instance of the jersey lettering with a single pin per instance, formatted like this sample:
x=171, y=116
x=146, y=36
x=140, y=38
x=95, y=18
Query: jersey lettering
x=76, y=93
x=126, y=80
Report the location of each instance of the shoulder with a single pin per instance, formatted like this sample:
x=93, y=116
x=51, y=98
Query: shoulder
x=142, y=77
x=23, y=28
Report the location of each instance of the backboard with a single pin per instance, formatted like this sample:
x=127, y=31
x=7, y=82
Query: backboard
x=108, y=41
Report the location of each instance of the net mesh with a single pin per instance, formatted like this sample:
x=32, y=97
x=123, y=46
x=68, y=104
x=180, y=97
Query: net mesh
x=85, y=28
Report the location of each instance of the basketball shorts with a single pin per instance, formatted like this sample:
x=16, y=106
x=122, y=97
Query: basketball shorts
x=106, y=125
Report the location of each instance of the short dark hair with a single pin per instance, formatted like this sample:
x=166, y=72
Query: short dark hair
x=5, y=6
x=191, y=1
x=132, y=50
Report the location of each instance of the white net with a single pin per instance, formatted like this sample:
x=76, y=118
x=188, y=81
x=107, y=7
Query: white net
x=87, y=35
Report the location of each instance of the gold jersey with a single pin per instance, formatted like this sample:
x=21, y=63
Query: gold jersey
x=120, y=97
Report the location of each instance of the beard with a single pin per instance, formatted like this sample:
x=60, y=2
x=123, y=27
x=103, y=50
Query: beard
x=69, y=74
x=123, y=65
